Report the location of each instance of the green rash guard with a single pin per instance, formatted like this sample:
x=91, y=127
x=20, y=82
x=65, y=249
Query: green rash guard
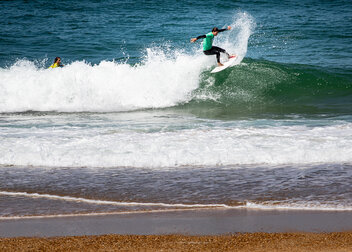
x=208, y=41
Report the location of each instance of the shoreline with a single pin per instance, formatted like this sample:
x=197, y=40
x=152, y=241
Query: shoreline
x=185, y=222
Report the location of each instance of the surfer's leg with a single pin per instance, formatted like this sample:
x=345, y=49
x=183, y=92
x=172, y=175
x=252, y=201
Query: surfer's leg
x=214, y=51
x=221, y=50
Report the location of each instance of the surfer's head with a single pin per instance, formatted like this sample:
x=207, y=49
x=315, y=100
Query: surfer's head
x=215, y=31
x=57, y=60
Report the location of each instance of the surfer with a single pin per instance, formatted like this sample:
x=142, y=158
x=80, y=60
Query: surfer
x=208, y=48
x=57, y=63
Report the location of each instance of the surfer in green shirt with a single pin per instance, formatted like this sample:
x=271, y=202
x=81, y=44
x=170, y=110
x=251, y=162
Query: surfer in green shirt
x=208, y=48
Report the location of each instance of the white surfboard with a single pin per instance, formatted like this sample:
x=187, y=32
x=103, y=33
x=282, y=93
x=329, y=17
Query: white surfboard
x=230, y=62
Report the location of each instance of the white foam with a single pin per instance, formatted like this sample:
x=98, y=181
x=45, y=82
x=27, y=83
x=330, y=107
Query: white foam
x=95, y=214
x=107, y=147
x=304, y=206
x=274, y=205
x=108, y=86
x=106, y=202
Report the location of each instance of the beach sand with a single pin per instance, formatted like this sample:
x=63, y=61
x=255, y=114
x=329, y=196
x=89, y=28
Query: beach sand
x=236, y=242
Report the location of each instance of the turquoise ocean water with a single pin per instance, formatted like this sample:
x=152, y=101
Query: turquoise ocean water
x=136, y=121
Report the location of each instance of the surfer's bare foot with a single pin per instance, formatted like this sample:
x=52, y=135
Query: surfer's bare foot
x=219, y=64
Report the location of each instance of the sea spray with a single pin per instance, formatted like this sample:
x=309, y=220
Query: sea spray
x=235, y=41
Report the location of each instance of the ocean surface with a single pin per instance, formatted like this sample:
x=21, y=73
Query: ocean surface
x=135, y=121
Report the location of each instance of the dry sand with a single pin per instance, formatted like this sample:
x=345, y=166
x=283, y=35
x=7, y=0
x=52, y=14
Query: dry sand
x=337, y=241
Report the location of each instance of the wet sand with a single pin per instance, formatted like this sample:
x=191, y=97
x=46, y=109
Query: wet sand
x=200, y=230
x=196, y=222
x=236, y=242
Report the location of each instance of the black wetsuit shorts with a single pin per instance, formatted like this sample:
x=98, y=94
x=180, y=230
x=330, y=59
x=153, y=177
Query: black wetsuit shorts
x=215, y=50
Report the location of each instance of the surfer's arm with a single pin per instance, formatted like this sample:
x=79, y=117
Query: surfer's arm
x=226, y=29
x=199, y=37
x=204, y=36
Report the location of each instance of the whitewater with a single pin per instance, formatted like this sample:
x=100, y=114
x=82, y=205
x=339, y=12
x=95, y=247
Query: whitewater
x=104, y=141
